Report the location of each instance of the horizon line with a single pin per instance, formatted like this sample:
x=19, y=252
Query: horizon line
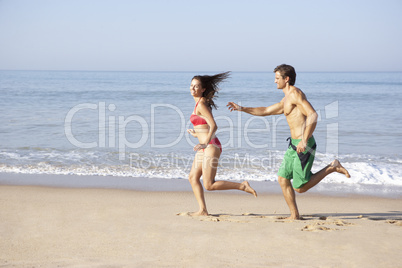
x=178, y=71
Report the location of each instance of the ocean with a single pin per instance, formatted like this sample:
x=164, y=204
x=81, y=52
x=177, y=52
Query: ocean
x=133, y=125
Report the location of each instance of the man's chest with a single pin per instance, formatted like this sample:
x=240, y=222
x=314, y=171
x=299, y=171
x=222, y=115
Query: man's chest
x=289, y=108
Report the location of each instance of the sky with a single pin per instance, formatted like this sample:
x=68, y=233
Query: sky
x=207, y=35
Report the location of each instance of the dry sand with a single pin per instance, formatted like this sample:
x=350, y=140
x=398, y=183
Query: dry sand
x=64, y=227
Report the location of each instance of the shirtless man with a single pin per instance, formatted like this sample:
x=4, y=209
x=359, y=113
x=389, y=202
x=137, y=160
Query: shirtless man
x=302, y=120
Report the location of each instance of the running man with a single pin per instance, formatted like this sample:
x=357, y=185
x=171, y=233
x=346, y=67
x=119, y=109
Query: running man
x=302, y=120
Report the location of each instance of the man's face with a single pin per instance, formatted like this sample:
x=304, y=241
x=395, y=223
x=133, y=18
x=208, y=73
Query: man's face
x=280, y=81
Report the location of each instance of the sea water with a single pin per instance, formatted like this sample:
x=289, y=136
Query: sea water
x=133, y=124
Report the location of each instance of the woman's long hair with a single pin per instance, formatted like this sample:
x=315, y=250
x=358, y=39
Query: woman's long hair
x=211, y=83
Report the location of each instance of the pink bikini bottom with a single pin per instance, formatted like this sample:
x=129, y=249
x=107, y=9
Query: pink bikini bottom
x=215, y=142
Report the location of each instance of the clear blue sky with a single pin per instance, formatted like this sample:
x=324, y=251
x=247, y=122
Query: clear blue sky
x=202, y=35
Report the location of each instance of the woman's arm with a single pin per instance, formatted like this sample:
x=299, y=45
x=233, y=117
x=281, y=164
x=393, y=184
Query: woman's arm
x=207, y=114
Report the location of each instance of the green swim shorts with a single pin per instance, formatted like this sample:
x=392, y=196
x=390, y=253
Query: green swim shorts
x=298, y=166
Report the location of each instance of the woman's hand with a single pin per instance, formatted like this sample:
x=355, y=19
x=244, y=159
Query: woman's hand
x=200, y=147
x=192, y=132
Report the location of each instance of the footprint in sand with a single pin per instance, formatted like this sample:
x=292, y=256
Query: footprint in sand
x=394, y=222
x=252, y=215
x=208, y=218
x=213, y=217
x=183, y=214
x=320, y=225
x=201, y=218
x=224, y=217
x=287, y=220
x=317, y=227
x=342, y=223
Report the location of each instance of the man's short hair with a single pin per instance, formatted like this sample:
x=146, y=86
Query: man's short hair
x=287, y=71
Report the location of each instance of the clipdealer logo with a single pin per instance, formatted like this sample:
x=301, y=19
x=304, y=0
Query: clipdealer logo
x=112, y=129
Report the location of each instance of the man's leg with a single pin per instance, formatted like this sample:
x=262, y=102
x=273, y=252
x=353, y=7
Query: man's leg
x=335, y=166
x=290, y=197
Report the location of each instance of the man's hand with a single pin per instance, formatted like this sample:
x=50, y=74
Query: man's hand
x=301, y=147
x=234, y=107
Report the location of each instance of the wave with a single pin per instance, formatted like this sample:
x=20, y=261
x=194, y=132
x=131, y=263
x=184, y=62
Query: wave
x=364, y=169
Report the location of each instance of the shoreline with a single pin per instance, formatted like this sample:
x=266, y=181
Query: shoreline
x=87, y=227
x=178, y=185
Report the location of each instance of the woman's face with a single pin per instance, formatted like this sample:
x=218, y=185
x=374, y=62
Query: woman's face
x=195, y=88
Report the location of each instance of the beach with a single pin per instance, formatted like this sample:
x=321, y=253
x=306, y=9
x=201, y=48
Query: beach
x=92, y=177
x=105, y=109
x=44, y=226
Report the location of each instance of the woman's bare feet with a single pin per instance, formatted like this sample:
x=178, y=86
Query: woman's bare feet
x=199, y=213
x=339, y=168
x=247, y=188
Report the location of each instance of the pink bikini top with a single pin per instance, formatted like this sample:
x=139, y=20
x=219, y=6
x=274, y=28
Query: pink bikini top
x=196, y=119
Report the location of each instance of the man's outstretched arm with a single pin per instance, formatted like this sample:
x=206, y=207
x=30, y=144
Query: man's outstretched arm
x=276, y=108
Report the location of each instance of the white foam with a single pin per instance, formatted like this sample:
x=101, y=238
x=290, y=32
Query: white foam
x=365, y=170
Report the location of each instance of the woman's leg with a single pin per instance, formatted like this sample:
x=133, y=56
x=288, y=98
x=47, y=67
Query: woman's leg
x=194, y=178
x=209, y=168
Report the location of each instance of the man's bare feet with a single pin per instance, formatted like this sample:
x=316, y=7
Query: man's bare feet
x=247, y=188
x=291, y=217
x=339, y=168
x=199, y=213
